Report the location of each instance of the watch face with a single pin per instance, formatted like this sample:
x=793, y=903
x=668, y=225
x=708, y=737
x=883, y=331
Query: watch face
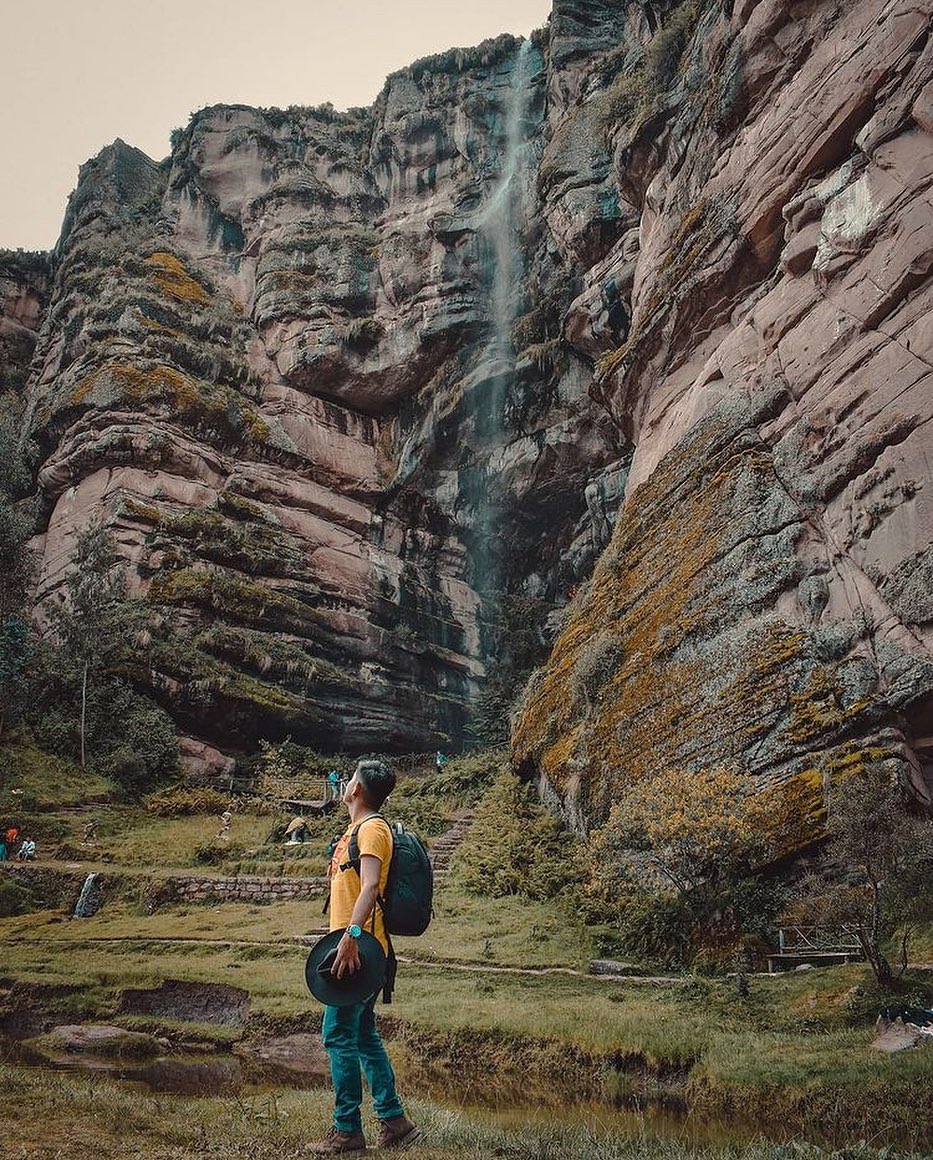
x=353, y=930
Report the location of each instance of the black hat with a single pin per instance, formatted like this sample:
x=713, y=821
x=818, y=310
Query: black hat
x=334, y=992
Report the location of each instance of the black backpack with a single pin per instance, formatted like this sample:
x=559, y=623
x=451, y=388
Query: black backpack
x=407, y=904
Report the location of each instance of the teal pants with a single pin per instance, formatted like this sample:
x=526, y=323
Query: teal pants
x=352, y=1042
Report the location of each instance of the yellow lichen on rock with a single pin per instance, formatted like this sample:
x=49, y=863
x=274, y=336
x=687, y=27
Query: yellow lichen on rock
x=707, y=673
x=210, y=407
x=173, y=279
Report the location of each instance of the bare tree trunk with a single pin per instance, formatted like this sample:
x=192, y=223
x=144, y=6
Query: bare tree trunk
x=83, y=710
x=869, y=938
x=905, y=939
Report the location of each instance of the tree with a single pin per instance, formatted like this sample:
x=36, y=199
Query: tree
x=876, y=875
x=85, y=703
x=95, y=625
x=674, y=865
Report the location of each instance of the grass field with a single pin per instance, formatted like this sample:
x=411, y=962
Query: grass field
x=62, y=1117
x=793, y=1051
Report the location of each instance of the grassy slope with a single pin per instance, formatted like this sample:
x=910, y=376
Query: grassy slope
x=47, y=781
x=798, y=1041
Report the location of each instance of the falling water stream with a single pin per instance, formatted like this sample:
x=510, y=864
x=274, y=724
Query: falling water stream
x=90, y=898
x=501, y=214
x=498, y=229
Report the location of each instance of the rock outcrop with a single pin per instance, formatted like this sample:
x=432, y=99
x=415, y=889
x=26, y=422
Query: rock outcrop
x=281, y=366
x=25, y=281
x=765, y=600
x=338, y=380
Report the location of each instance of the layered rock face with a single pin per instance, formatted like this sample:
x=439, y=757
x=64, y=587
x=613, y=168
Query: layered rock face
x=309, y=371
x=765, y=601
x=338, y=380
x=25, y=281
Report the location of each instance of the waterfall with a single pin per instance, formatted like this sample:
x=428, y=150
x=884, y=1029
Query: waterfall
x=498, y=217
x=90, y=898
x=497, y=223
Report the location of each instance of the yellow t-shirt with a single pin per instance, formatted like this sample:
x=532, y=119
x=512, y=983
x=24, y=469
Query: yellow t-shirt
x=373, y=837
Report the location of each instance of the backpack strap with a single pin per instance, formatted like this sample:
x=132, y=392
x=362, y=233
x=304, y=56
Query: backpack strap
x=353, y=849
x=353, y=860
x=391, y=968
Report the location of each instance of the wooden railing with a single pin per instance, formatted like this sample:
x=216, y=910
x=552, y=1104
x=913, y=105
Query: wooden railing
x=816, y=945
x=815, y=939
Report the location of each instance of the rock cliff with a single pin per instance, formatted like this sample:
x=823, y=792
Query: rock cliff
x=765, y=601
x=25, y=281
x=309, y=369
x=340, y=380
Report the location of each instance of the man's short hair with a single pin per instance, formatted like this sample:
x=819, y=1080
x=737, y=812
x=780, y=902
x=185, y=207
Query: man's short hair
x=377, y=781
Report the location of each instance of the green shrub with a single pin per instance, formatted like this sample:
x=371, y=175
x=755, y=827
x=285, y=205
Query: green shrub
x=463, y=780
x=420, y=812
x=669, y=43
x=182, y=801
x=657, y=928
x=515, y=846
x=674, y=866
x=14, y=899
x=210, y=854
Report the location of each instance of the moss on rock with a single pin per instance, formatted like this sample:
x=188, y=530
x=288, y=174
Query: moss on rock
x=706, y=672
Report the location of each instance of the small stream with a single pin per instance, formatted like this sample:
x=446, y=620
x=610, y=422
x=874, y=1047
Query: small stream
x=202, y=1075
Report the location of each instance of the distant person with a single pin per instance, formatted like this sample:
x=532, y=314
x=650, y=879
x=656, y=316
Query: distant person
x=441, y=760
x=3, y=852
x=11, y=835
x=333, y=785
x=350, y=1035
x=297, y=831
x=27, y=851
x=226, y=818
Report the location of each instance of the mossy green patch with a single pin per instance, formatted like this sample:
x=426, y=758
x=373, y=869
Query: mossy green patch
x=31, y=778
x=210, y=408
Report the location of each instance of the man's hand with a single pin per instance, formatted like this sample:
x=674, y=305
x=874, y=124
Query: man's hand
x=347, y=961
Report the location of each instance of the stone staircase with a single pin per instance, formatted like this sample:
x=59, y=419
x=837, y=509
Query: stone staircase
x=442, y=850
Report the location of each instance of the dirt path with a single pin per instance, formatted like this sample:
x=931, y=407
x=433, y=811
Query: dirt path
x=307, y=940
x=483, y=968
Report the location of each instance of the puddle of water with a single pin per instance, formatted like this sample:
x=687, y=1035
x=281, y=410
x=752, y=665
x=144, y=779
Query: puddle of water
x=600, y=1120
x=185, y=1075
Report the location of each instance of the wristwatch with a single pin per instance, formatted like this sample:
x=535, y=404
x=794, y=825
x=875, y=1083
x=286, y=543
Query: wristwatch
x=353, y=930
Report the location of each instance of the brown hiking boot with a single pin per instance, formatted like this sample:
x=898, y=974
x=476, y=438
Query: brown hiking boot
x=398, y=1132
x=337, y=1143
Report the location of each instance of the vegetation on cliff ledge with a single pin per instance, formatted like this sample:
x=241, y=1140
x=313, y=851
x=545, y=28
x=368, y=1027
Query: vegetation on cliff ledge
x=213, y=410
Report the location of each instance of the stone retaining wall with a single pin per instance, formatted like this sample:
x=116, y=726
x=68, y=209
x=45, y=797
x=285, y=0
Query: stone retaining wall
x=50, y=887
x=243, y=888
x=54, y=887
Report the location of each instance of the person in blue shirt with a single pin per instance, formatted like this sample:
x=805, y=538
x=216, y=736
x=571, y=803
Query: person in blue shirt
x=27, y=851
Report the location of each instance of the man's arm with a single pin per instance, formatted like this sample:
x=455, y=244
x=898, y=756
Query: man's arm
x=348, y=951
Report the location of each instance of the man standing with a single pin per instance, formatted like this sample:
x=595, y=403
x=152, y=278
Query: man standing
x=333, y=785
x=349, y=1033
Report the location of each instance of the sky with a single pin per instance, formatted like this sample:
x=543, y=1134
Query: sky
x=77, y=74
